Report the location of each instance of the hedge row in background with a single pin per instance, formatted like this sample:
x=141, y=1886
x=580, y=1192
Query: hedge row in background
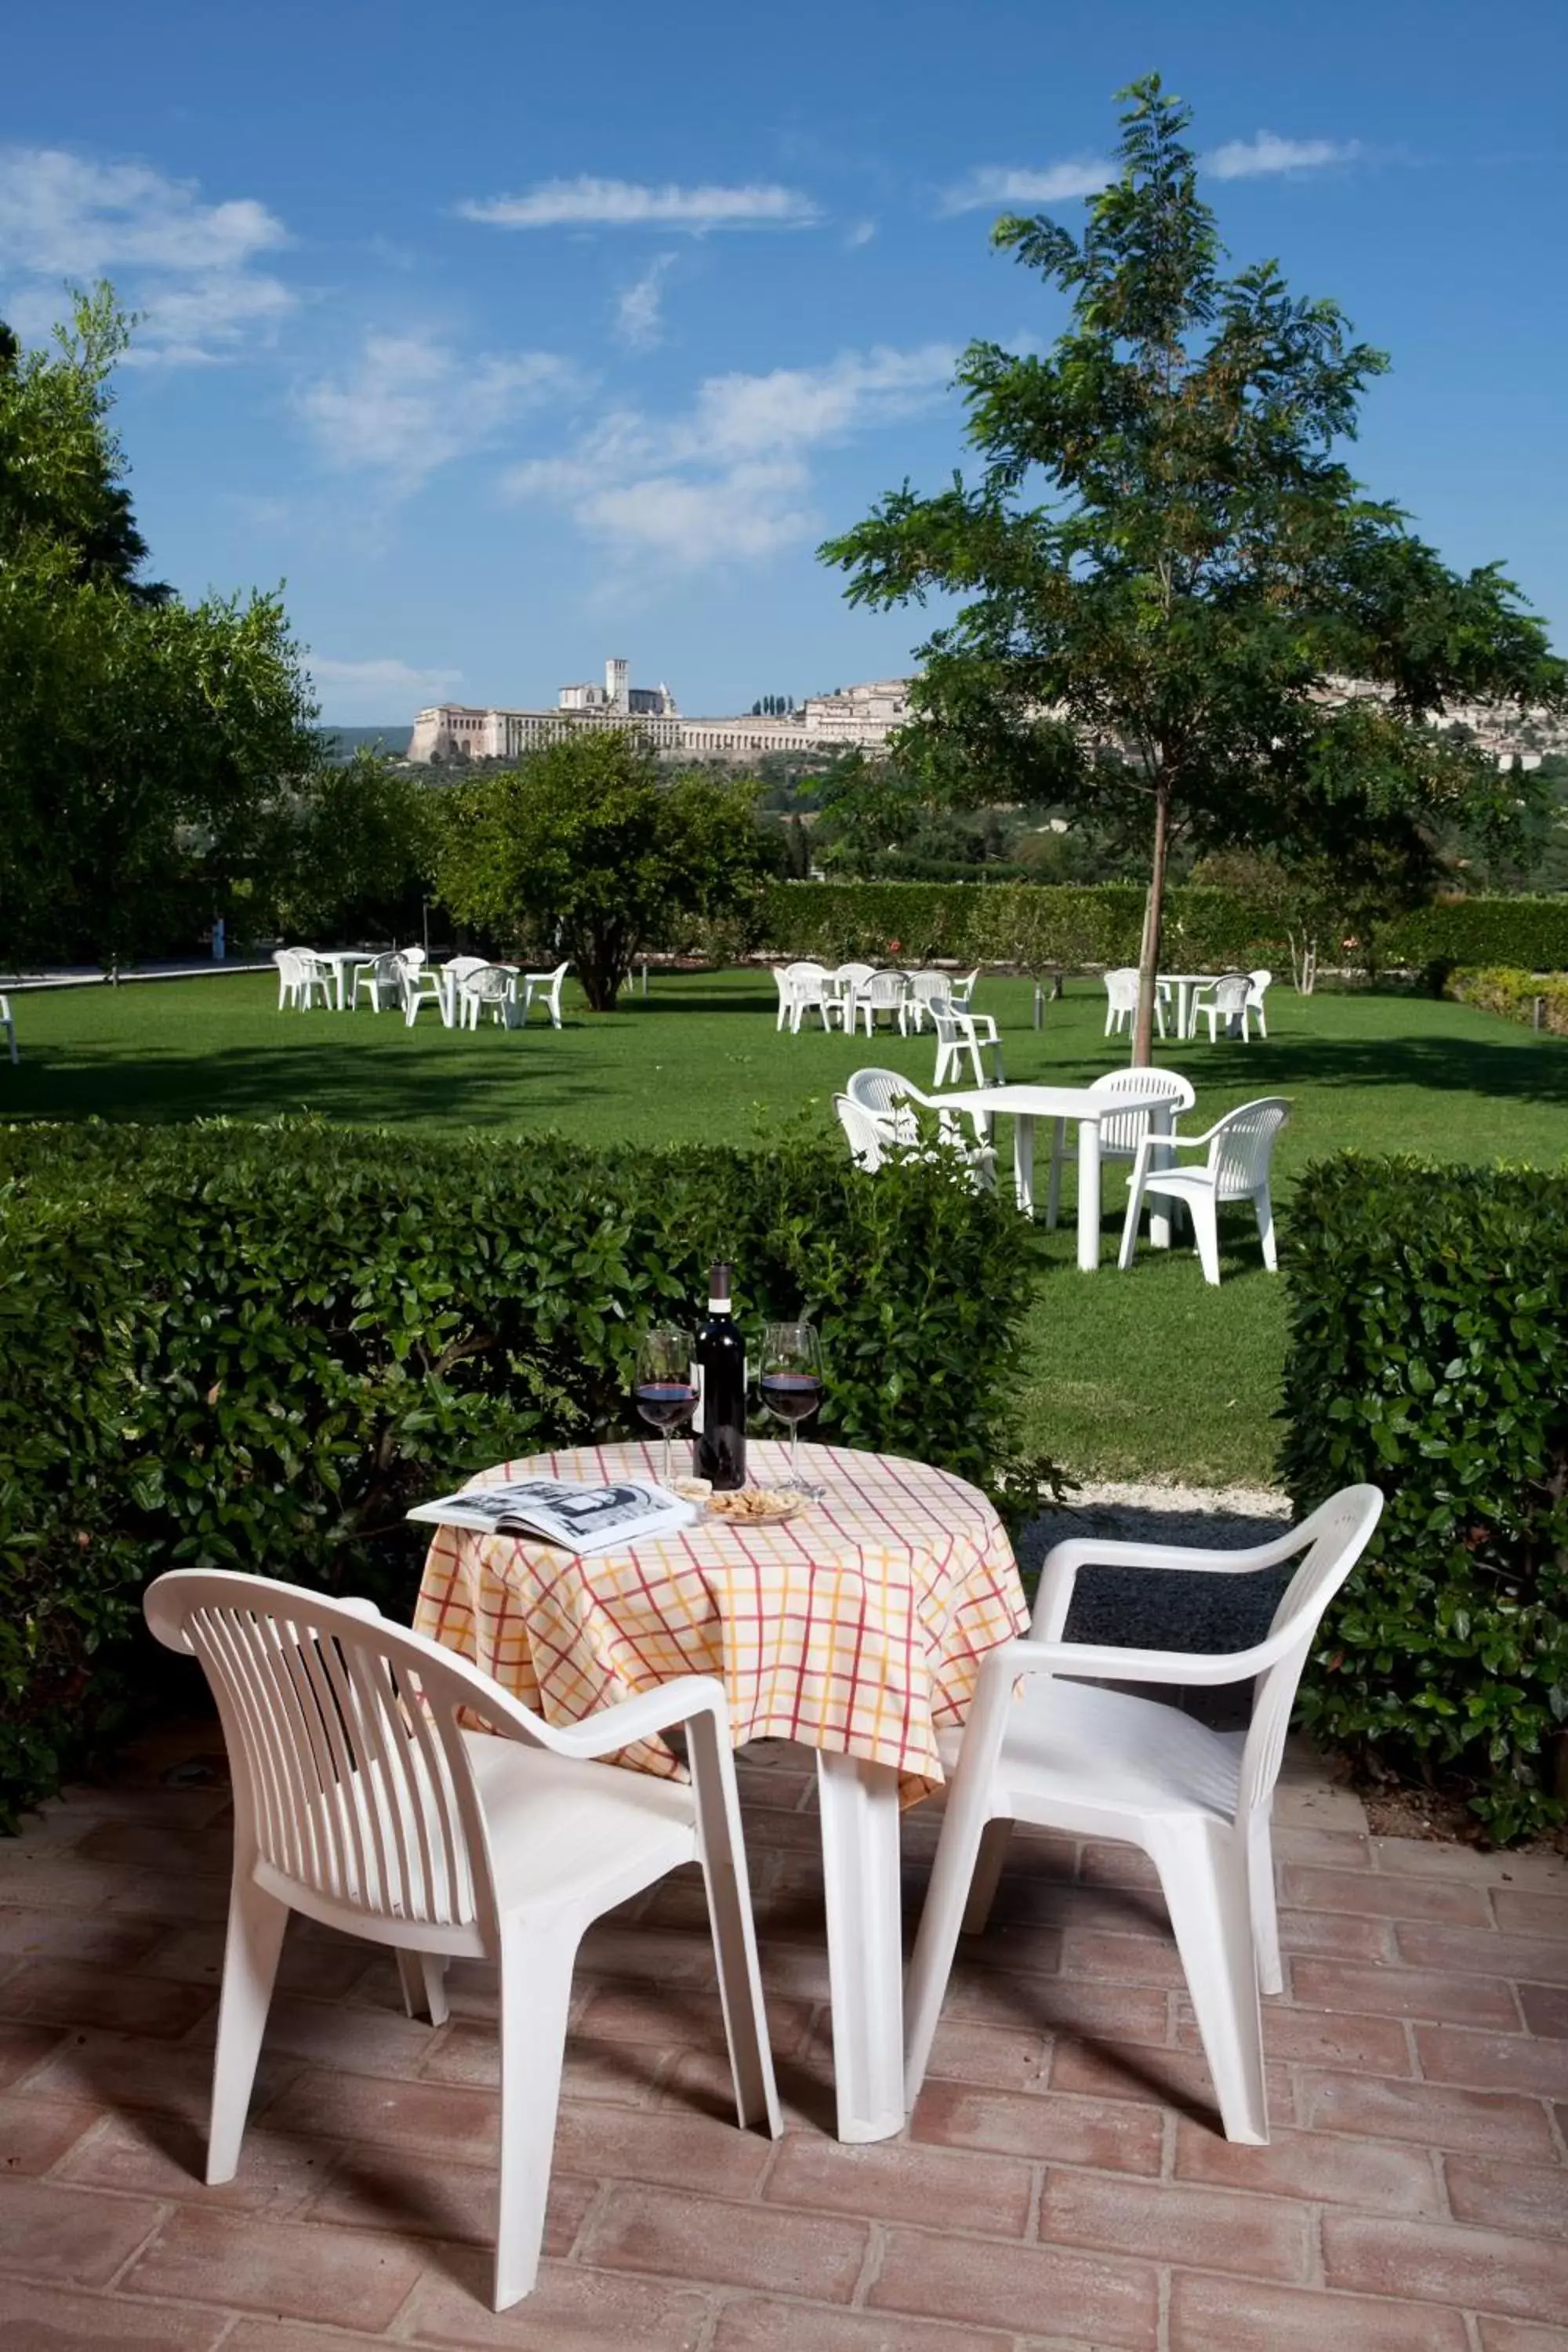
x=1429, y=1354
x=254, y=1348
x=1042, y=925
x=1497, y=989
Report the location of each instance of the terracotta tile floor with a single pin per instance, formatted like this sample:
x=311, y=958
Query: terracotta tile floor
x=1062, y=2185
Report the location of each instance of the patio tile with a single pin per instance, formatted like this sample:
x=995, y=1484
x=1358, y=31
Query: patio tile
x=35, y=2133
x=1447, y=1997
x=1256, y=2235
x=1521, y=2278
x=891, y=2181
x=383, y=2188
x=124, y=2071
x=54, y=2319
x=344, y=2278
x=1530, y=1960
x=757, y=2326
x=1519, y=2336
x=164, y=2157
x=1228, y=2314
x=1473, y=2122
x=335, y=2034
x=1341, y=1935
x=48, y=2232
x=296, y=2336
x=1374, y=2044
x=681, y=2236
x=571, y=2310
x=1058, y=2005
x=709, y=2156
x=420, y=2118
x=1545, y=2009
x=1373, y=1893
x=1521, y=1912
x=1121, y=1959
x=1168, y=2078
x=1493, y=2062
x=1371, y=2176
x=625, y=2074
x=1007, y=2058
x=24, y=2047
x=1114, y=2135
x=58, y=1992
x=195, y=1956
x=31, y=1933
x=1493, y=2195
x=161, y=1845
x=984, y=2282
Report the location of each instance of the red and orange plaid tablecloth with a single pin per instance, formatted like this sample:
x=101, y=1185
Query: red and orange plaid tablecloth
x=858, y=1626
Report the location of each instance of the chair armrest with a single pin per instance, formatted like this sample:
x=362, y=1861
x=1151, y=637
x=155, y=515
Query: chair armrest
x=1064, y=1560
x=1105, y=1662
x=631, y=1719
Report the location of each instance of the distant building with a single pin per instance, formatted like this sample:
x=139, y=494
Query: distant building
x=852, y=717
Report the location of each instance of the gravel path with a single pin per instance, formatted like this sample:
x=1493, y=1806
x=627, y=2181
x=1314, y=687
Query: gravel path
x=1139, y=1608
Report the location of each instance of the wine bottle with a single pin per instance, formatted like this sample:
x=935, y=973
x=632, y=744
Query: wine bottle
x=721, y=1449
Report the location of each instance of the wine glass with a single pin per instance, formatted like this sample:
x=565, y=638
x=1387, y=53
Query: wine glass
x=665, y=1393
x=792, y=1386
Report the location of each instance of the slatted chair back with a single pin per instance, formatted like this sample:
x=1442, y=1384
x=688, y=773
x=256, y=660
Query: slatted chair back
x=490, y=984
x=1123, y=1130
x=1333, y=1540
x=868, y=1136
x=855, y=975
x=887, y=1097
x=885, y=992
x=1243, y=1146
x=1122, y=988
x=1230, y=995
x=925, y=985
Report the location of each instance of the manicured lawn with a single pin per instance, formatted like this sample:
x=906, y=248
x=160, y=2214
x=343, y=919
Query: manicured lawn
x=1144, y=1374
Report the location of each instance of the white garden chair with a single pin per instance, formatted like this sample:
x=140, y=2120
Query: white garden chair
x=961, y=994
x=1225, y=1001
x=958, y=1033
x=1044, y=1746
x=923, y=986
x=872, y=1137
x=361, y=1800
x=491, y=989
x=839, y=989
x=885, y=992
x=1240, y=1147
x=544, y=987
x=384, y=979
x=1260, y=983
x=1121, y=1133
x=895, y=1102
x=9, y=1026
x=300, y=974
x=1121, y=1001
x=430, y=985
x=801, y=992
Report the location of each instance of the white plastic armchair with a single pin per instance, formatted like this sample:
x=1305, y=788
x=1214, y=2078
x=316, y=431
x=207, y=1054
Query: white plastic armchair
x=962, y=993
x=839, y=989
x=384, y=979
x=9, y=1026
x=923, y=986
x=491, y=989
x=1066, y=1754
x=885, y=992
x=440, y=985
x=1121, y=1001
x=544, y=987
x=871, y=1137
x=1260, y=985
x=1226, y=1001
x=894, y=1103
x=958, y=1033
x=300, y=974
x=1122, y=1132
x=801, y=992
x=362, y=1800
x=1240, y=1150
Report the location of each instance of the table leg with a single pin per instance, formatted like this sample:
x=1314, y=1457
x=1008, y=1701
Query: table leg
x=339, y=973
x=859, y=1806
x=1087, y=1195
x=448, y=987
x=1160, y=1122
x=1024, y=1161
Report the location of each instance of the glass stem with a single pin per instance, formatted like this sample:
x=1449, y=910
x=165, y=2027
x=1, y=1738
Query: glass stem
x=664, y=1479
x=794, y=1449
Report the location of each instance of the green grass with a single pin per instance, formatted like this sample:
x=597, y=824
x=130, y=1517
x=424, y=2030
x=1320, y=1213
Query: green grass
x=1145, y=1375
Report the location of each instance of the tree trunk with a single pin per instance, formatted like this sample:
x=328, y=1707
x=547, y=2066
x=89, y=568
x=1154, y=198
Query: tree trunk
x=1154, y=920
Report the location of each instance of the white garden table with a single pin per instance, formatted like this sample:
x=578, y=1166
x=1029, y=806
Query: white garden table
x=1186, y=985
x=343, y=961
x=1065, y=1105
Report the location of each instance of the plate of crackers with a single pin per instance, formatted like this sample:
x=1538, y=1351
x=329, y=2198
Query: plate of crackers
x=755, y=1507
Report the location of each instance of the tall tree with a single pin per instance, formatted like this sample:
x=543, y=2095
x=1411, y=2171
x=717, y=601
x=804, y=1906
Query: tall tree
x=1163, y=548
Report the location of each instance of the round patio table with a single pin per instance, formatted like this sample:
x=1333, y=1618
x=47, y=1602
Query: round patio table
x=857, y=1628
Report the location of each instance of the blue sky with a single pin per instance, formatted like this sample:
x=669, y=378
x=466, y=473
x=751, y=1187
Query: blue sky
x=512, y=336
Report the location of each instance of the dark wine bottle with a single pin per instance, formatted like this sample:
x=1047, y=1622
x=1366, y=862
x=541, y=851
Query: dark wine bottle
x=720, y=1450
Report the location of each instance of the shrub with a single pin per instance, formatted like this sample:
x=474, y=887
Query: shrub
x=1429, y=1354
x=255, y=1347
x=1530, y=934
x=1496, y=989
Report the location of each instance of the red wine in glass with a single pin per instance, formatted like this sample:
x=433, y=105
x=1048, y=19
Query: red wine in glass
x=790, y=1384
x=664, y=1391
x=792, y=1396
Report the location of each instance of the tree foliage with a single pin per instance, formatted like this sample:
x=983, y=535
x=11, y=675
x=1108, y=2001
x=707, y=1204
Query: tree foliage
x=355, y=840
x=1163, y=549
x=586, y=845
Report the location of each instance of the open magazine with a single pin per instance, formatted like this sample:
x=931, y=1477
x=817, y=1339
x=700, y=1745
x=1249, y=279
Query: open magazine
x=573, y=1512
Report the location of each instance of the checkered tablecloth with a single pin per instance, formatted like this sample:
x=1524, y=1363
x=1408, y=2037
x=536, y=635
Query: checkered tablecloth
x=857, y=1626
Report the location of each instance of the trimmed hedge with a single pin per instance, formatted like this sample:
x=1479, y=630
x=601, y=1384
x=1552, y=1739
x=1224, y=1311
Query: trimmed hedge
x=1513, y=994
x=1037, y=925
x=1429, y=1354
x=255, y=1347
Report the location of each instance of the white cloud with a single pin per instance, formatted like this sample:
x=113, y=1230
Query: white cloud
x=589, y=203
x=731, y=479
x=991, y=185
x=859, y=232
x=411, y=403
x=1249, y=159
x=639, y=322
x=185, y=265
x=366, y=692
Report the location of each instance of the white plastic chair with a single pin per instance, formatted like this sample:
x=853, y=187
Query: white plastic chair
x=384, y=978
x=299, y=974
x=1240, y=1147
x=961, y=994
x=9, y=1026
x=923, y=986
x=801, y=992
x=1121, y=1133
x=491, y=989
x=958, y=1033
x=1260, y=983
x=885, y=992
x=360, y=1800
x=1068, y=1755
x=544, y=987
x=871, y=1137
x=840, y=988
x=430, y=985
x=1121, y=1001
x=1225, y=1001
x=894, y=1103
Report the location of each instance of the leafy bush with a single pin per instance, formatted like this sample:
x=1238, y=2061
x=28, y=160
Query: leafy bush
x=1429, y=1354
x=1496, y=989
x=1529, y=934
x=254, y=1348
